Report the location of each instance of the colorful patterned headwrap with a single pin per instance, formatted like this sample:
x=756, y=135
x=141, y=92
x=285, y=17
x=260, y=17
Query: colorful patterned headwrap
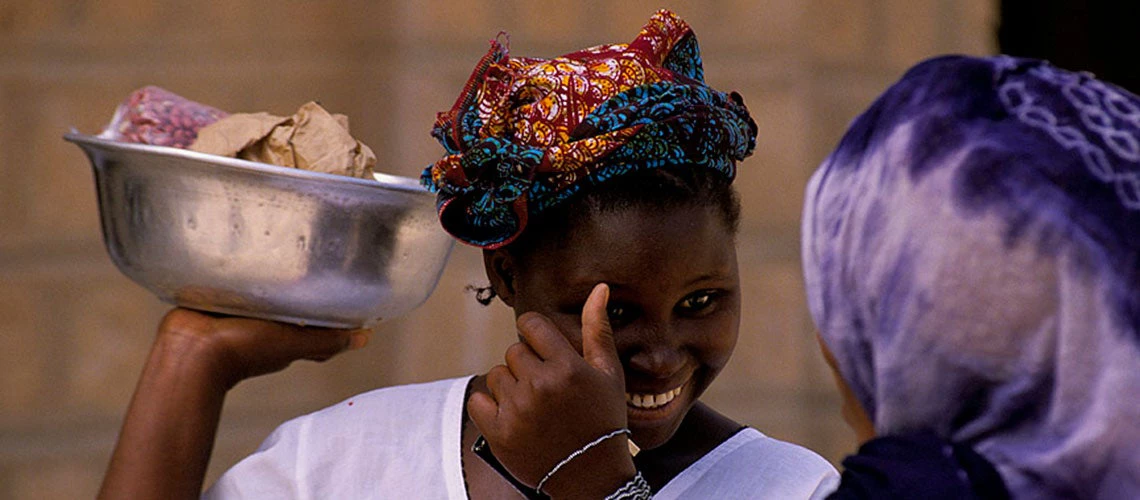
x=972, y=259
x=526, y=133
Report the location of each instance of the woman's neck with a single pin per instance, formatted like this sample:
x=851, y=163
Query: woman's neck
x=701, y=431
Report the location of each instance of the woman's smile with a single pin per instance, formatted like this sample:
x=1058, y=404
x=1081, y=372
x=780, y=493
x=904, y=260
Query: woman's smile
x=650, y=401
x=661, y=407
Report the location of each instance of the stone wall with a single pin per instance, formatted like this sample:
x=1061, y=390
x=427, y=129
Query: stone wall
x=75, y=332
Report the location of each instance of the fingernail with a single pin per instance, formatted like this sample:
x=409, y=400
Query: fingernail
x=358, y=340
x=529, y=321
x=605, y=291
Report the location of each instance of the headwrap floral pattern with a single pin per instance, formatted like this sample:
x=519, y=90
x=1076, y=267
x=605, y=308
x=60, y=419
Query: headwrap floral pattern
x=525, y=134
x=972, y=259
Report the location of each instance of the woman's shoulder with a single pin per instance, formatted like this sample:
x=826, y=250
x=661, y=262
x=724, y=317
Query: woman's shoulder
x=388, y=439
x=394, y=406
x=416, y=394
x=767, y=452
x=751, y=464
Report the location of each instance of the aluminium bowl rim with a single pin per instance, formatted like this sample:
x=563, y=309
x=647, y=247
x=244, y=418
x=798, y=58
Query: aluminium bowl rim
x=381, y=180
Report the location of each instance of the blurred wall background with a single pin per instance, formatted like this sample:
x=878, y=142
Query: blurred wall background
x=75, y=332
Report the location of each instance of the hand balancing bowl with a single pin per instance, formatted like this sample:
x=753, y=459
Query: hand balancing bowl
x=249, y=239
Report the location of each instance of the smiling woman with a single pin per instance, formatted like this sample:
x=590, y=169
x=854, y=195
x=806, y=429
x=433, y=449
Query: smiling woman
x=610, y=165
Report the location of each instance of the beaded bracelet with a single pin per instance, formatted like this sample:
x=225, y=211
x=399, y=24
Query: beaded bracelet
x=575, y=454
x=635, y=489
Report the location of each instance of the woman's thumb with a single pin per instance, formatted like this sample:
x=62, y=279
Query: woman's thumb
x=598, y=347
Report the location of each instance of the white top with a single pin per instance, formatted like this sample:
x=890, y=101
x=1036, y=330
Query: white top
x=404, y=442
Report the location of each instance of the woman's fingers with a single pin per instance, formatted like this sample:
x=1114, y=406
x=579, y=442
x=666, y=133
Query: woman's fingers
x=245, y=347
x=500, y=382
x=483, y=411
x=522, y=360
x=598, y=346
x=323, y=344
x=358, y=339
x=284, y=340
x=543, y=336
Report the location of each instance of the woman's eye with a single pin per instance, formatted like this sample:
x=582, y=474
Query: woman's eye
x=616, y=313
x=696, y=302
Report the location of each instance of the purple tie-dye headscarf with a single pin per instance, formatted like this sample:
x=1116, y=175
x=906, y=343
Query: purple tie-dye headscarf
x=972, y=257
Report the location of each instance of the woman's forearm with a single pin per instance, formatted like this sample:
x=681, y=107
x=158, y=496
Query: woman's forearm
x=168, y=433
x=169, y=429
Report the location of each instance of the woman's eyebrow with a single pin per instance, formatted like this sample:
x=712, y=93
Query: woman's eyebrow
x=713, y=276
x=584, y=286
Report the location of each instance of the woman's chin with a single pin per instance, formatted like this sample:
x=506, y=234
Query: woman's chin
x=653, y=426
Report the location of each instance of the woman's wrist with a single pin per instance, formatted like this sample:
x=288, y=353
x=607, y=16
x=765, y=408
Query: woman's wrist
x=188, y=355
x=596, y=473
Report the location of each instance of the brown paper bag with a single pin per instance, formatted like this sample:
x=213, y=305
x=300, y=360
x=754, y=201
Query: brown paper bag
x=312, y=139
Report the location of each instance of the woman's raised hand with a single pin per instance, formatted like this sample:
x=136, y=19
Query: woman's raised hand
x=239, y=348
x=547, y=401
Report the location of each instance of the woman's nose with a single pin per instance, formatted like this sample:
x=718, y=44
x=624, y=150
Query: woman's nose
x=651, y=350
x=656, y=361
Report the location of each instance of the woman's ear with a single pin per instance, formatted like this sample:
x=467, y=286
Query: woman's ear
x=501, y=270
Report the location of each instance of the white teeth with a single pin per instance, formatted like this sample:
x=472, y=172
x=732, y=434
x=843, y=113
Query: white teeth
x=652, y=400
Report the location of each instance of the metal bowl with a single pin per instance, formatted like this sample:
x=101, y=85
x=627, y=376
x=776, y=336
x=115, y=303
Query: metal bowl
x=250, y=239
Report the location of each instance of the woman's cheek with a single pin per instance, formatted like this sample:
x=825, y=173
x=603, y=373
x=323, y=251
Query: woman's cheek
x=718, y=346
